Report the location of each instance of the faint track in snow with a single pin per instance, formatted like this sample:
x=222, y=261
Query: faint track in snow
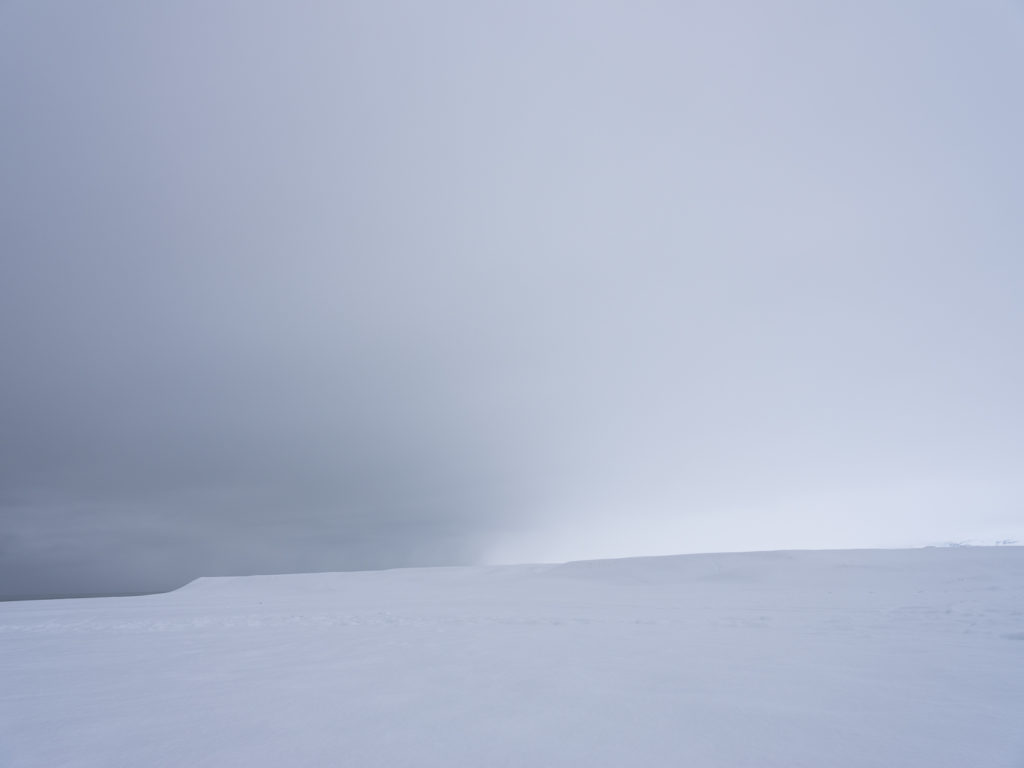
x=323, y=620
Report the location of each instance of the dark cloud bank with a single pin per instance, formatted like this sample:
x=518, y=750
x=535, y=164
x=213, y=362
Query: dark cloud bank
x=322, y=286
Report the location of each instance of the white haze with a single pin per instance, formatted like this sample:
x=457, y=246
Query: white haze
x=331, y=285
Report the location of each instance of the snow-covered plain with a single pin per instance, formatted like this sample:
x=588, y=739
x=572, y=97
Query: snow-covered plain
x=818, y=659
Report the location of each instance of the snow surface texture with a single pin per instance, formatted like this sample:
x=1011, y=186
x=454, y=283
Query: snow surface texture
x=823, y=659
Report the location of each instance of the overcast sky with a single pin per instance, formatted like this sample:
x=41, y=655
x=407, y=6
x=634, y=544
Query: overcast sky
x=292, y=286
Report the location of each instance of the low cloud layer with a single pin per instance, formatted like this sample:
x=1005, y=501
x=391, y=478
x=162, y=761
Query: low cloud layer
x=318, y=287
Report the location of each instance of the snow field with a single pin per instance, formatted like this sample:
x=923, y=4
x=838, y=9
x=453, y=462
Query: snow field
x=788, y=659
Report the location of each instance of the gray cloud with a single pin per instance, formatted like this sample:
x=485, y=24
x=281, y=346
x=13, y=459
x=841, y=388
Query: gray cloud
x=321, y=286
